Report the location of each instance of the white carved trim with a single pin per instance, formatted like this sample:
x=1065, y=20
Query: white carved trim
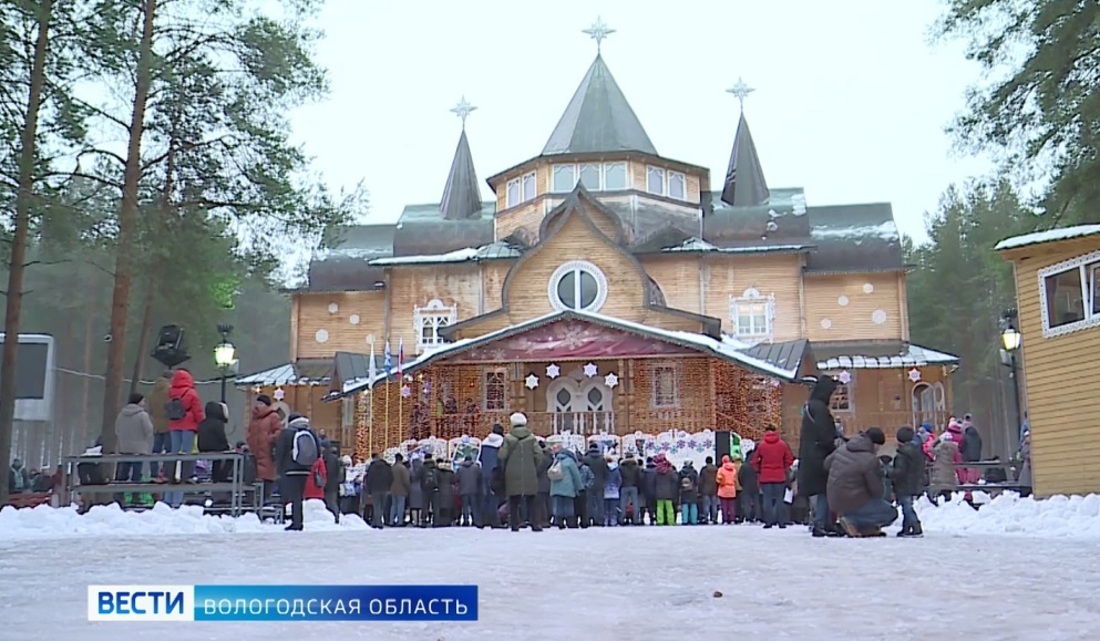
x=578, y=266
x=1090, y=320
x=434, y=315
x=851, y=387
x=753, y=296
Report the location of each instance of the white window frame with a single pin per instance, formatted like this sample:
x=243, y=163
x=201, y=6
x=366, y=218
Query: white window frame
x=435, y=315
x=752, y=296
x=850, y=388
x=674, y=370
x=601, y=166
x=666, y=181
x=524, y=191
x=493, y=371
x=577, y=266
x=1088, y=267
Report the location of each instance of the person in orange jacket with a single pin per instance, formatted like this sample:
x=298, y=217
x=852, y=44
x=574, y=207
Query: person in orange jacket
x=315, y=482
x=727, y=488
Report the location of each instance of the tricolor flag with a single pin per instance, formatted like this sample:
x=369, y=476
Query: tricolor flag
x=372, y=369
x=387, y=360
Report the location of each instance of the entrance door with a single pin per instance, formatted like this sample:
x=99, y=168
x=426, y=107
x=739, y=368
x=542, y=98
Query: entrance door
x=580, y=407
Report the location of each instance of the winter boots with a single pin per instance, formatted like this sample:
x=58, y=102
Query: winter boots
x=911, y=532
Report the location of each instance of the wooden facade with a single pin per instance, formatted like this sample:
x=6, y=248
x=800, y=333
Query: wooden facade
x=1058, y=368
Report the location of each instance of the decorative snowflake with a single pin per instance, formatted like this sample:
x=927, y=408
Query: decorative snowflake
x=914, y=375
x=611, y=380
x=553, y=371
x=406, y=391
x=279, y=394
x=692, y=443
x=573, y=337
x=590, y=370
x=532, y=381
x=681, y=444
x=844, y=377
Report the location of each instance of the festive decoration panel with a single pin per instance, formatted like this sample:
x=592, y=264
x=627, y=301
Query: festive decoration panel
x=572, y=339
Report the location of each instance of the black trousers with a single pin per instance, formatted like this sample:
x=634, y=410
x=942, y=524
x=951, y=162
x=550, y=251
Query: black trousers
x=293, y=487
x=528, y=502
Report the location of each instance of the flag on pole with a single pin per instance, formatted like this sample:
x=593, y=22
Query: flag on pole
x=400, y=355
x=387, y=360
x=372, y=369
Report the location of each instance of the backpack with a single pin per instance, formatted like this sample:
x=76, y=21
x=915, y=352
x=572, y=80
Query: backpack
x=588, y=477
x=305, y=448
x=555, y=473
x=686, y=484
x=175, y=410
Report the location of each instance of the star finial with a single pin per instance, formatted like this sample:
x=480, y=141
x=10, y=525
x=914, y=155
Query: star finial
x=742, y=91
x=463, y=109
x=598, y=32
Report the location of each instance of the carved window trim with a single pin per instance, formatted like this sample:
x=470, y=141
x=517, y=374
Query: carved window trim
x=428, y=320
x=753, y=334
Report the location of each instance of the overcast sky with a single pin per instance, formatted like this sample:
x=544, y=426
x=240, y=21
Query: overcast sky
x=851, y=98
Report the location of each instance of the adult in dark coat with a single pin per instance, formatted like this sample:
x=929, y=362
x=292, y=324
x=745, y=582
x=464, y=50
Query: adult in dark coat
x=595, y=461
x=429, y=484
x=443, y=500
x=542, y=499
x=400, y=490
x=708, y=492
x=379, y=482
x=855, y=485
x=292, y=476
x=489, y=455
x=212, y=439
x=520, y=455
x=817, y=441
x=334, y=476
x=631, y=474
x=416, y=491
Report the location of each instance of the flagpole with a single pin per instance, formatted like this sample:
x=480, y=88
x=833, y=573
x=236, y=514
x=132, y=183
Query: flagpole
x=371, y=373
x=401, y=380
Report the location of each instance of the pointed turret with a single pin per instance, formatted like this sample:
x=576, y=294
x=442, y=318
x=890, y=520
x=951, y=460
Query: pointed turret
x=598, y=118
x=461, y=196
x=745, y=185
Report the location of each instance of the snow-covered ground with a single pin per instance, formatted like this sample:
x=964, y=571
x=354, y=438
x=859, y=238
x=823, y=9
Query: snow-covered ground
x=1017, y=569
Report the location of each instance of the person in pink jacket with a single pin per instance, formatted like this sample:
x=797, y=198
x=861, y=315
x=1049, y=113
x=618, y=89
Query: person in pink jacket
x=955, y=429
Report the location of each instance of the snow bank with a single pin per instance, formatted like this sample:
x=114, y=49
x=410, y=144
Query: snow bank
x=1076, y=517
x=112, y=521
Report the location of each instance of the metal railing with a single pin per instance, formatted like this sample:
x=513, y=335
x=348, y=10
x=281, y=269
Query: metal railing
x=243, y=497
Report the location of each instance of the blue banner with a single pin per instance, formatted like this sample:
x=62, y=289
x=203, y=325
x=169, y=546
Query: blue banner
x=335, y=602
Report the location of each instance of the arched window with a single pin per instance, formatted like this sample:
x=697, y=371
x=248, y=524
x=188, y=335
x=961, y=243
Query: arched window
x=578, y=285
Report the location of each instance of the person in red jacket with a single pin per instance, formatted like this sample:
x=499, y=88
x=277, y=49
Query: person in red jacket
x=315, y=482
x=185, y=412
x=771, y=459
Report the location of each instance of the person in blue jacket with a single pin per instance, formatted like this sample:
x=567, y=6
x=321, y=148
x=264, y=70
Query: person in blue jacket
x=564, y=490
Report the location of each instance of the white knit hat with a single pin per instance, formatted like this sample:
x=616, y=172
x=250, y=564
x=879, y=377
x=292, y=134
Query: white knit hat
x=518, y=419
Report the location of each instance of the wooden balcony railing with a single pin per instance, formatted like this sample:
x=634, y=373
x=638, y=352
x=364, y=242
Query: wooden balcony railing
x=544, y=424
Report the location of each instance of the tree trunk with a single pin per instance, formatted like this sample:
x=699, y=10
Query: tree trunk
x=146, y=327
x=127, y=227
x=23, y=204
x=85, y=403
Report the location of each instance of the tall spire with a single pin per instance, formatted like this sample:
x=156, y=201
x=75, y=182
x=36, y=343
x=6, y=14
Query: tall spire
x=598, y=117
x=461, y=196
x=745, y=185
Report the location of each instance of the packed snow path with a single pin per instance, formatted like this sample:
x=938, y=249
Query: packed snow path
x=600, y=583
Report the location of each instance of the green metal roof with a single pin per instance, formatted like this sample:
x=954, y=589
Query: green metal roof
x=598, y=119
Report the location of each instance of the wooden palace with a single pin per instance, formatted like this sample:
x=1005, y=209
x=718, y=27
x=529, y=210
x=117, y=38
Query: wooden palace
x=606, y=288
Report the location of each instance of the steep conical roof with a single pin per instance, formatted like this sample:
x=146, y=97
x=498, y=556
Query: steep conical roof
x=461, y=198
x=745, y=185
x=598, y=119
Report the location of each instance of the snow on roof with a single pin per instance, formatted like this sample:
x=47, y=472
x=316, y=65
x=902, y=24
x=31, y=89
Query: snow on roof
x=914, y=356
x=287, y=374
x=699, y=245
x=726, y=347
x=456, y=256
x=886, y=230
x=1049, y=236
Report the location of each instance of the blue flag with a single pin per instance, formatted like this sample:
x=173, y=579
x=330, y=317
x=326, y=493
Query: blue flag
x=387, y=361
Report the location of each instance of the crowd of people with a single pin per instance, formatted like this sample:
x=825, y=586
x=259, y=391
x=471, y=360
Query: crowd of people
x=839, y=486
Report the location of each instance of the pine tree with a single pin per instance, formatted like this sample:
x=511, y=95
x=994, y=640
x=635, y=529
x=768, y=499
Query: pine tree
x=1041, y=110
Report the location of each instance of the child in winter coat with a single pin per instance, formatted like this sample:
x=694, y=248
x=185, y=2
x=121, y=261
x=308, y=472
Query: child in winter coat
x=444, y=499
x=908, y=473
x=689, y=495
x=727, y=489
x=315, y=482
x=666, y=487
x=611, y=490
x=944, y=480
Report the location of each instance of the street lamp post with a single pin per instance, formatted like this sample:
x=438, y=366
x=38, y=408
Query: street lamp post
x=1010, y=342
x=224, y=354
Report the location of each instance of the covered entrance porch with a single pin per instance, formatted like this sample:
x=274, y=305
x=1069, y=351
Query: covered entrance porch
x=574, y=373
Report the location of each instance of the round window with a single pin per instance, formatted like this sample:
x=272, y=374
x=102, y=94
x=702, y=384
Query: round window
x=578, y=285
